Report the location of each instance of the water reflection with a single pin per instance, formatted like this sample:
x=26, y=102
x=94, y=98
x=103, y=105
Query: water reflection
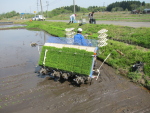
x=17, y=56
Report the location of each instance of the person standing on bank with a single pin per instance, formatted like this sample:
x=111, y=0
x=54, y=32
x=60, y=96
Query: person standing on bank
x=91, y=17
x=79, y=38
x=72, y=18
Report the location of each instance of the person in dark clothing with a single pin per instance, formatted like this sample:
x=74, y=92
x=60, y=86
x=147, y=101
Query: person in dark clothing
x=91, y=17
x=79, y=38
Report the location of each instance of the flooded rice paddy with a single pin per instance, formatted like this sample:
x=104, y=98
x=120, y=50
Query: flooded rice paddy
x=2, y=25
x=22, y=91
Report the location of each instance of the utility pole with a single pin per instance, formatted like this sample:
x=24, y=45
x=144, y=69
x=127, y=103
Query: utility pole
x=41, y=7
x=30, y=9
x=37, y=6
x=47, y=7
x=103, y=6
x=74, y=6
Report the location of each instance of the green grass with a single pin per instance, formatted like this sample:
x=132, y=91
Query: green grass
x=131, y=55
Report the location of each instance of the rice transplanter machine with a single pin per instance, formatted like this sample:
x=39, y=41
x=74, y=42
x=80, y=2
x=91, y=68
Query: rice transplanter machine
x=61, y=59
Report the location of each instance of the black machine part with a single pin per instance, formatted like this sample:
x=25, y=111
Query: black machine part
x=59, y=74
x=138, y=66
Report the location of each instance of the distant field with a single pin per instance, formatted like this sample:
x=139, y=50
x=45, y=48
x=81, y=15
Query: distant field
x=108, y=16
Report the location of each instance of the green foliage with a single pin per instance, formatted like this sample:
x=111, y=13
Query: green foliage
x=70, y=9
x=138, y=36
x=49, y=27
x=96, y=8
x=67, y=59
x=147, y=84
x=130, y=5
x=65, y=10
x=131, y=55
x=117, y=9
x=134, y=76
x=9, y=15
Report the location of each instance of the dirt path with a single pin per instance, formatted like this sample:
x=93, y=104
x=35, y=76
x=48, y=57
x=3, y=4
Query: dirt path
x=121, y=23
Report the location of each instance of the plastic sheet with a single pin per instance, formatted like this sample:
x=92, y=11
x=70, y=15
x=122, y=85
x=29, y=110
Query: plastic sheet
x=64, y=40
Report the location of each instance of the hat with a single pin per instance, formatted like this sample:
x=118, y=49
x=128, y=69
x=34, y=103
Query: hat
x=79, y=29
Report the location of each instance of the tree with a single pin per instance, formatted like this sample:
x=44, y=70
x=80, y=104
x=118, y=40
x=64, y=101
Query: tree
x=133, y=6
x=9, y=14
x=96, y=8
x=147, y=5
x=84, y=10
x=126, y=10
x=143, y=3
x=130, y=5
x=113, y=9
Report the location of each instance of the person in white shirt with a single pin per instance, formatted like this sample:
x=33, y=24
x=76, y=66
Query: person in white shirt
x=72, y=18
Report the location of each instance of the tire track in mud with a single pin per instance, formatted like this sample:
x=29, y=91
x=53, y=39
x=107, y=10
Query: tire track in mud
x=143, y=110
x=12, y=81
x=26, y=92
x=17, y=94
x=126, y=95
x=23, y=64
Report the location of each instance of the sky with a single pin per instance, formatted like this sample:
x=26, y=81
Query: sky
x=29, y=6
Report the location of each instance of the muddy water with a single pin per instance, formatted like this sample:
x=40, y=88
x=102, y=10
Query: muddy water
x=11, y=25
x=17, y=56
x=21, y=91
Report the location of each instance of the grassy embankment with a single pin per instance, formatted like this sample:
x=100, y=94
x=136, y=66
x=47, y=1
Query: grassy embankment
x=134, y=43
